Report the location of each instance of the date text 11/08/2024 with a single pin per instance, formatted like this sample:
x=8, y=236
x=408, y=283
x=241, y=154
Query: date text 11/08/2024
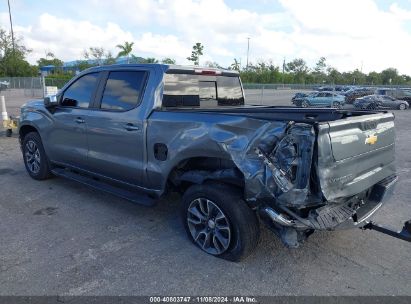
x=205, y=299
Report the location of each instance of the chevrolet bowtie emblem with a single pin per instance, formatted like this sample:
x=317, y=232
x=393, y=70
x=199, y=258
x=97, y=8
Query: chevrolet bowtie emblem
x=371, y=139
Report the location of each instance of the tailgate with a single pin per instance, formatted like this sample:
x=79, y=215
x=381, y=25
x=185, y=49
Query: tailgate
x=355, y=153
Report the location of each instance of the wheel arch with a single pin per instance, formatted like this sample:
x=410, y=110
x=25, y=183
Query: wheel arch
x=197, y=170
x=26, y=129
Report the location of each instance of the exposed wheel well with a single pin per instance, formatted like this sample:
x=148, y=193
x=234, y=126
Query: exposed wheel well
x=200, y=169
x=26, y=129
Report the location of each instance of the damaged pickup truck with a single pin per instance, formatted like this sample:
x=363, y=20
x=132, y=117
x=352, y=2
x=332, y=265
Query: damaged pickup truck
x=141, y=131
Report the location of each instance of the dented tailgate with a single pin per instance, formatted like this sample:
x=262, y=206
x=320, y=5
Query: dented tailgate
x=355, y=153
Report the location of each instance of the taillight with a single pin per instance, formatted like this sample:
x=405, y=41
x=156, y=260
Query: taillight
x=207, y=72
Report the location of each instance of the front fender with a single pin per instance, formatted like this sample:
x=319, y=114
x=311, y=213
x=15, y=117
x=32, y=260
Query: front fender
x=41, y=120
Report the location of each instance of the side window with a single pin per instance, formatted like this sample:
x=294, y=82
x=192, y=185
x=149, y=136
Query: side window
x=80, y=92
x=123, y=90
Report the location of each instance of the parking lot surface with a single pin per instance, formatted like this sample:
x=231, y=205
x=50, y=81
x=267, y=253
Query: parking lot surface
x=59, y=237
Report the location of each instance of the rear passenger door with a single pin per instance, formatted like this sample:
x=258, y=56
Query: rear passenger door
x=115, y=127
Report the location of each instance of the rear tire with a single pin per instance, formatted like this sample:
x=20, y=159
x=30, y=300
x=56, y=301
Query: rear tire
x=219, y=222
x=35, y=159
x=402, y=107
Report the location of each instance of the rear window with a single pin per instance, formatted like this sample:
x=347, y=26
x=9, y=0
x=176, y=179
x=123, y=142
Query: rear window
x=203, y=91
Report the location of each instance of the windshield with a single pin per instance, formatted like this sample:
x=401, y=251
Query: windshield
x=204, y=91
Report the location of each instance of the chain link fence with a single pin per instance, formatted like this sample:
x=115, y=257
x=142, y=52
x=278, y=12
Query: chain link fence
x=28, y=86
x=22, y=86
x=32, y=87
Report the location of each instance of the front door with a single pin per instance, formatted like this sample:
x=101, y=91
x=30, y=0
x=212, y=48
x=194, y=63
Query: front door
x=67, y=140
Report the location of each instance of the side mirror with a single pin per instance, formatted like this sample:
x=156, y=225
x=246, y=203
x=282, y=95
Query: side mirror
x=51, y=101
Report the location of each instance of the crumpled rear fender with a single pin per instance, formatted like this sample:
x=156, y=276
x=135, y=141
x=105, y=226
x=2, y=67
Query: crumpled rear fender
x=274, y=157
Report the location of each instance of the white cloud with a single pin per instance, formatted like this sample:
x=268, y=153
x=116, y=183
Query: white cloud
x=67, y=38
x=348, y=33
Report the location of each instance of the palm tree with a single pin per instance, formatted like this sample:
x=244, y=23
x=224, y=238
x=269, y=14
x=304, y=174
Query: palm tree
x=125, y=49
x=236, y=65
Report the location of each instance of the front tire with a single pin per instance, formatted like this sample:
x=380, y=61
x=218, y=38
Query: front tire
x=35, y=159
x=402, y=107
x=305, y=104
x=219, y=222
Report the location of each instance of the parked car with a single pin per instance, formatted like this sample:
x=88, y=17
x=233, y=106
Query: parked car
x=141, y=131
x=4, y=85
x=372, y=102
x=355, y=93
x=322, y=99
x=325, y=88
x=298, y=97
x=397, y=93
x=339, y=88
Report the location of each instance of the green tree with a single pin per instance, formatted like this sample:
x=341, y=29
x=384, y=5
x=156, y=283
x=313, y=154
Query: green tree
x=13, y=58
x=358, y=76
x=298, y=68
x=96, y=54
x=333, y=76
x=319, y=74
x=235, y=65
x=373, y=78
x=213, y=64
x=320, y=66
x=389, y=76
x=125, y=50
x=50, y=59
x=168, y=61
x=82, y=65
x=150, y=60
x=109, y=59
x=196, y=53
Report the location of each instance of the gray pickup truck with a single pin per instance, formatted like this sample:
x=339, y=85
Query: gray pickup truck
x=141, y=131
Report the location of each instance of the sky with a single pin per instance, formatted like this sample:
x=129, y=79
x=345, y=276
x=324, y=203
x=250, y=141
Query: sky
x=369, y=35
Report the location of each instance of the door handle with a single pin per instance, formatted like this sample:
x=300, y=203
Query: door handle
x=79, y=120
x=131, y=127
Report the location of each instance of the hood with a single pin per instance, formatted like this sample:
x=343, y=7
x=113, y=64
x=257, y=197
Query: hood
x=37, y=103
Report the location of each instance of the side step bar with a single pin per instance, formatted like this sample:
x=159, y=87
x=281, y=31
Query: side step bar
x=132, y=196
x=404, y=234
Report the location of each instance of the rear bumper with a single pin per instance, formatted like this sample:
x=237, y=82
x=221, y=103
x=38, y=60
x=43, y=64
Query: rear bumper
x=380, y=194
x=354, y=213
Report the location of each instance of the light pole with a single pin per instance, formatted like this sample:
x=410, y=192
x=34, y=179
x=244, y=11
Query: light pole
x=248, y=50
x=11, y=25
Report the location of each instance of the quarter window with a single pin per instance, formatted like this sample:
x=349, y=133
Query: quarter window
x=123, y=90
x=80, y=92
